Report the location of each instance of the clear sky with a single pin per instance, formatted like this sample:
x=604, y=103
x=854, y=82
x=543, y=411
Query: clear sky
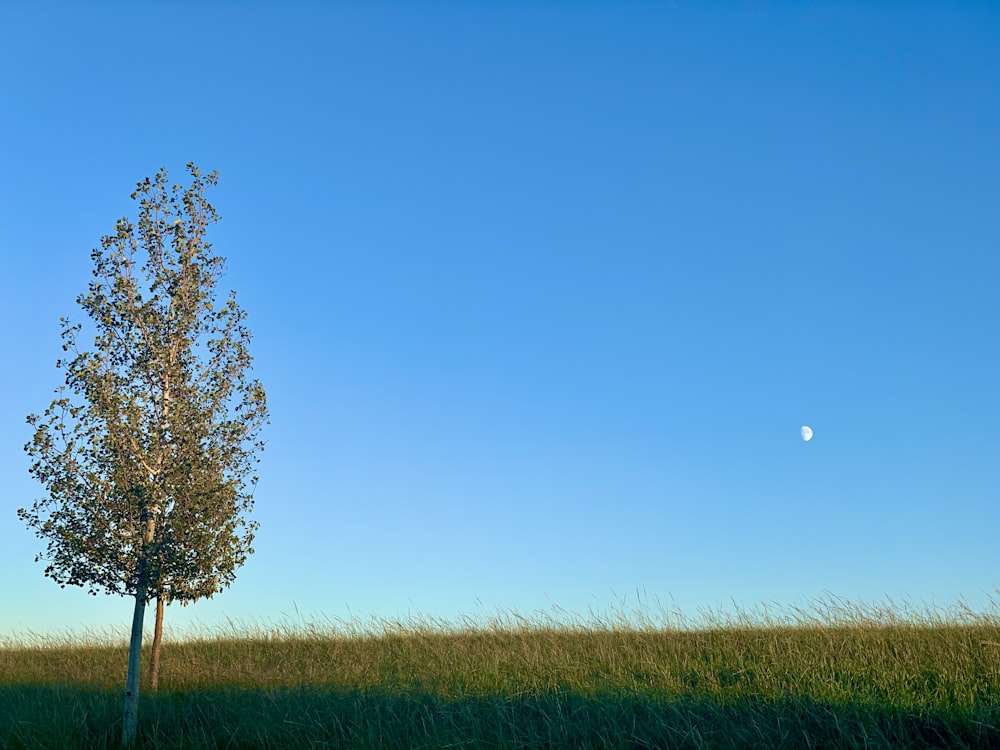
x=542, y=292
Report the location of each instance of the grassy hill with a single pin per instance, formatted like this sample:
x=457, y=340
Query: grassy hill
x=867, y=678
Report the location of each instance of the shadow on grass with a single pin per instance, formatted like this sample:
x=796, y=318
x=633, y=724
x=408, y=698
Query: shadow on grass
x=71, y=716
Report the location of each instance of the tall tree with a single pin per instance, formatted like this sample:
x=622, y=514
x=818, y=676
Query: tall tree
x=147, y=452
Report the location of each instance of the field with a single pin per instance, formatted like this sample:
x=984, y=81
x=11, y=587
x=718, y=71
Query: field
x=837, y=677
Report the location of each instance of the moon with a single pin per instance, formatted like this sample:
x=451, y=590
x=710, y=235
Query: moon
x=807, y=433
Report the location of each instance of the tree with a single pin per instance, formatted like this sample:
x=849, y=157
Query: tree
x=146, y=454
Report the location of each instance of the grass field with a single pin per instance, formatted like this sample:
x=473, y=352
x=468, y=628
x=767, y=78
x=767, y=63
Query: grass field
x=837, y=677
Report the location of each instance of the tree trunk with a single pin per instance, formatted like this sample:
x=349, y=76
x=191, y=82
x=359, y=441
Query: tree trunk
x=154, y=666
x=130, y=719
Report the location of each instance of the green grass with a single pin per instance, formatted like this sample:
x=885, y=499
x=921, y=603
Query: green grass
x=841, y=677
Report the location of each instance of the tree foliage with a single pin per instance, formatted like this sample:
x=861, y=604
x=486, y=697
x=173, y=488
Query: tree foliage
x=147, y=452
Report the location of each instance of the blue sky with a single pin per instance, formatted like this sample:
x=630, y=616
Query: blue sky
x=542, y=292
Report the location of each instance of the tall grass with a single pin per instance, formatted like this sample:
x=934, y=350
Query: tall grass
x=834, y=676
